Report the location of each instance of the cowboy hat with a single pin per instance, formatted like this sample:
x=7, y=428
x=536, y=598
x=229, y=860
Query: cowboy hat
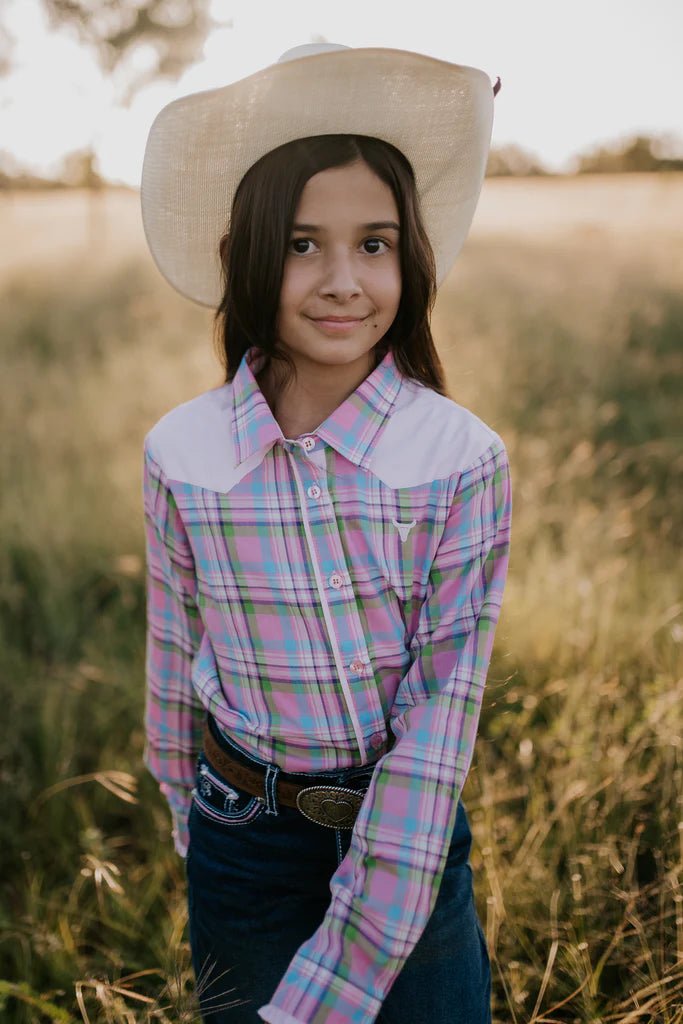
x=200, y=146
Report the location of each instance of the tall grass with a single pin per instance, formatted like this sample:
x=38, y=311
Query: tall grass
x=576, y=792
x=574, y=355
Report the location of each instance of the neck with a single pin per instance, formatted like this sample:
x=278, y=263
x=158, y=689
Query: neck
x=301, y=402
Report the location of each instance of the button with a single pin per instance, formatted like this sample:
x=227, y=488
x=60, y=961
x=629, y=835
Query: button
x=308, y=443
x=314, y=491
x=376, y=740
x=336, y=580
x=357, y=666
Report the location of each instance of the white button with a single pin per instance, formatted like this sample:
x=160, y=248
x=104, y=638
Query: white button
x=314, y=491
x=308, y=443
x=336, y=580
x=357, y=666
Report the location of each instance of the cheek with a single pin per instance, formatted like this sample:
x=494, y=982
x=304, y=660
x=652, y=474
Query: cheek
x=291, y=291
x=389, y=289
x=297, y=279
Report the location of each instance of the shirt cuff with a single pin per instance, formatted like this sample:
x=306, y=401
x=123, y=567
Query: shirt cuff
x=315, y=992
x=180, y=811
x=181, y=836
x=273, y=1015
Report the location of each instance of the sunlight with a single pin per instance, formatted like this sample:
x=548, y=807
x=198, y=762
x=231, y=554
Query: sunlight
x=555, y=101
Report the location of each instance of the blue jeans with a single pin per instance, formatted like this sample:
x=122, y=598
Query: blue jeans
x=258, y=887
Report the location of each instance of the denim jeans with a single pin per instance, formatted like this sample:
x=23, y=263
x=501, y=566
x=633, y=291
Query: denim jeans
x=258, y=887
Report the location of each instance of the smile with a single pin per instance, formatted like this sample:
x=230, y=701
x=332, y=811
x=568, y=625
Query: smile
x=338, y=324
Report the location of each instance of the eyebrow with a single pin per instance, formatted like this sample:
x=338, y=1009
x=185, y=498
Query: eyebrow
x=375, y=225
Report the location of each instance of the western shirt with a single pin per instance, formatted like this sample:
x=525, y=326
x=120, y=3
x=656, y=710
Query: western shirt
x=317, y=595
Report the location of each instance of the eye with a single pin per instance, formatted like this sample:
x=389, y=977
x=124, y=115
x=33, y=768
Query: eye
x=375, y=246
x=299, y=246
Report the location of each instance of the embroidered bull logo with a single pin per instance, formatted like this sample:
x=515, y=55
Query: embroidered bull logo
x=404, y=528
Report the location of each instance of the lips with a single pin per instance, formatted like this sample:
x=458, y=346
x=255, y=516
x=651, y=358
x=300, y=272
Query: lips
x=336, y=326
x=339, y=319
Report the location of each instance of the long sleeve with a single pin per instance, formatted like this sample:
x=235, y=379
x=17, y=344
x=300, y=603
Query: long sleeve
x=173, y=714
x=385, y=889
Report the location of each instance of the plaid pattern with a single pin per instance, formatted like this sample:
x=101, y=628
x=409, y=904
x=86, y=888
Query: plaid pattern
x=311, y=607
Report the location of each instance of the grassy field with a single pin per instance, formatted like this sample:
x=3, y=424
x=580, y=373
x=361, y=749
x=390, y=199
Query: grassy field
x=561, y=326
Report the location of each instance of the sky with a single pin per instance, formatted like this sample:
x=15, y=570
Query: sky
x=574, y=74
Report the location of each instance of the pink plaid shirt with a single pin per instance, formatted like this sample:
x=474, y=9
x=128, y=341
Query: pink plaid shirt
x=316, y=595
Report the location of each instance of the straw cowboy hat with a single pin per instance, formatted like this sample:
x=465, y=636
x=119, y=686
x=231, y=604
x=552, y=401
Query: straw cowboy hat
x=199, y=147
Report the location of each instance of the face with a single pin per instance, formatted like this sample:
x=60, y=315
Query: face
x=342, y=276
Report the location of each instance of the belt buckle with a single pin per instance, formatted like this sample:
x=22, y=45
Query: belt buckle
x=331, y=806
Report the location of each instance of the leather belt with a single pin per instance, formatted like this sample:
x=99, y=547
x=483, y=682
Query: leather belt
x=331, y=806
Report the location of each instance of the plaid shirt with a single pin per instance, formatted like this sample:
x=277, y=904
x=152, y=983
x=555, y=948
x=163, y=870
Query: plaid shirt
x=315, y=594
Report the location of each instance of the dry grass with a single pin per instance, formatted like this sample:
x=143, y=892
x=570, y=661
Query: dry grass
x=566, y=340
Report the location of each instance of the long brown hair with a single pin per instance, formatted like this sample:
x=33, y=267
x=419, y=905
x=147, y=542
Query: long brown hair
x=253, y=253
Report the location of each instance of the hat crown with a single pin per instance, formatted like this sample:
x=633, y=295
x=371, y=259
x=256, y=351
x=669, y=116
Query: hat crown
x=309, y=50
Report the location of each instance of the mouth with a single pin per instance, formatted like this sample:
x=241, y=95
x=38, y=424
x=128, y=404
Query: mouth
x=338, y=324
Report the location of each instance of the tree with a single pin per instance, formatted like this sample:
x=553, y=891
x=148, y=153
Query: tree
x=172, y=31
x=79, y=170
x=641, y=153
x=6, y=43
x=512, y=161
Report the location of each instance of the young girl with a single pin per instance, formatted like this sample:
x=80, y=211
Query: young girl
x=327, y=542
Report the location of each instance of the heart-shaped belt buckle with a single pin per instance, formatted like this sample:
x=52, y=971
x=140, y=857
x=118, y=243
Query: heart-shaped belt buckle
x=331, y=806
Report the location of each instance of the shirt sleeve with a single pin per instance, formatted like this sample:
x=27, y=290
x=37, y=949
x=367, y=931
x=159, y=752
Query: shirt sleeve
x=174, y=717
x=385, y=888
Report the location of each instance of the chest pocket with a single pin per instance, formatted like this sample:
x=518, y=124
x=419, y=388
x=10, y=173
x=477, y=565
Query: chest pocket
x=389, y=535
x=402, y=549
x=412, y=527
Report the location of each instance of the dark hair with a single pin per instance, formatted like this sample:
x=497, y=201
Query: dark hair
x=253, y=253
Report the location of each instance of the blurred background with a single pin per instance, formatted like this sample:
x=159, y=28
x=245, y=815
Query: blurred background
x=561, y=325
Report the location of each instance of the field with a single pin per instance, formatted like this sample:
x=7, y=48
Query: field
x=562, y=327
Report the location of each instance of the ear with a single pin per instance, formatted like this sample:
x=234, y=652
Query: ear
x=223, y=249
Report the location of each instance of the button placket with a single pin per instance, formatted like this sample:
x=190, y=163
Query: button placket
x=335, y=580
x=345, y=631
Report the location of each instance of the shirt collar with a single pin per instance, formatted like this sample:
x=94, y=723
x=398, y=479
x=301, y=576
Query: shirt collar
x=353, y=429
x=254, y=428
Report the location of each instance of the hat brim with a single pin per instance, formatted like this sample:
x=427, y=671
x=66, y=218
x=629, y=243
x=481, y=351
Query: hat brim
x=199, y=147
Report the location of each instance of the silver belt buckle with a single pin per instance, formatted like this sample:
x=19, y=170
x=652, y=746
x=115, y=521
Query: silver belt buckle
x=331, y=806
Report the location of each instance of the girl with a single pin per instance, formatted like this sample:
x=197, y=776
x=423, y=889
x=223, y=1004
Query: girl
x=327, y=542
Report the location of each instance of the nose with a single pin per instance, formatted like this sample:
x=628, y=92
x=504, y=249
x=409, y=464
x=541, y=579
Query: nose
x=340, y=279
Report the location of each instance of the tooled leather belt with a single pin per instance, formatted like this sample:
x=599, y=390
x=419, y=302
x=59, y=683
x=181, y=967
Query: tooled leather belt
x=331, y=806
